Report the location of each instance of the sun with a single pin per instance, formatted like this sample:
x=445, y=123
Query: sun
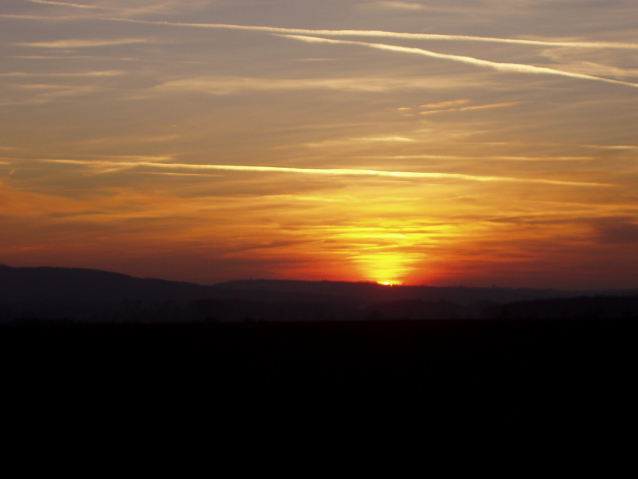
x=387, y=269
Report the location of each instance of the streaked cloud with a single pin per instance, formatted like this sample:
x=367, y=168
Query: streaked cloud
x=446, y=104
x=619, y=230
x=386, y=34
x=473, y=108
x=502, y=67
x=613, y=147
x=398, y=6
x=485, y=158
x=65, y=4
x=135, y=158
x=107, y=166
x=45, y=92
x=80, y=43
x=98, y=73
x=596, y=69
x=359, y=141
x=34, y=17
x=231, y=85
x=129, y=7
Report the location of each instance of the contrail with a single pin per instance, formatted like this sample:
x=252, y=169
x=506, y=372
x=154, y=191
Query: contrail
x=63, y=4
x=83, y=43
x=481, y=158
x=357, y=33
x=613, y=147
x=299, y=34
x=385, y=34
x=35, y=17
x=472, y=108
x=503, y=67
x=112, y=165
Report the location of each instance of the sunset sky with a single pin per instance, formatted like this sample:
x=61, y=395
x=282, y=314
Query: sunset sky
x=459, y=142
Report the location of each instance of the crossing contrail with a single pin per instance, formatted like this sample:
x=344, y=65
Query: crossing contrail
x=503, y=67
x=386, y=34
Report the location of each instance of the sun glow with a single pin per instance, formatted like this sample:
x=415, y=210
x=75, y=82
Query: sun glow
x=386, y=268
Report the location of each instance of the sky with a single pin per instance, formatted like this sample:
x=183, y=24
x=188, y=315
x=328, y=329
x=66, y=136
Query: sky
x=460, y=142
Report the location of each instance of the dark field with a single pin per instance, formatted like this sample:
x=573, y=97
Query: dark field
x=533, y=391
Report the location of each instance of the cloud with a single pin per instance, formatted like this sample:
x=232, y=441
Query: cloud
x=64, y=4
x=129, y=158
x=616, y=231
x=386, y=34
x=106, y=73
x=362, y=140
x=109, y=166
x=231, y=85
x=397, y=6
x=613, y=147
x=130, y=7
x=484, y=158
x=471, y=108
x=563, y=57
x=445, y=104
x=502, y=67
x=367, y=33
x=35, y=17
x=43, y=93
x=411, y=7
x=19, y=204
x=83, y=43
x=64, y=55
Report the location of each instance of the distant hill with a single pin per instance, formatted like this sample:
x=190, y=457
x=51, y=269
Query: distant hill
x=74, y=284
x=363, y=291
x=50, y=283
x=47, y=293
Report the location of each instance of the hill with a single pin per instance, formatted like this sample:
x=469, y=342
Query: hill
x=75, y=284
x=85, y=295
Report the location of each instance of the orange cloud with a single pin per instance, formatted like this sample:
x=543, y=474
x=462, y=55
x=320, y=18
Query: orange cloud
x=472, y=108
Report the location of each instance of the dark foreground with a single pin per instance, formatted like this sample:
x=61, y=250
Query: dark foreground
x=533, y=393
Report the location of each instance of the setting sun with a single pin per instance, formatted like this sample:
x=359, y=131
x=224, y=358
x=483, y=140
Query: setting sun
x=385, y=268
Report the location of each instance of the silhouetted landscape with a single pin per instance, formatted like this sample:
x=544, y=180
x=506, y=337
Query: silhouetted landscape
x=91, y=296
x=359, y=228
x=543, y=377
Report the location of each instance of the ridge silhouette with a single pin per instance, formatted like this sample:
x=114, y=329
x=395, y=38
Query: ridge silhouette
x=44, y=293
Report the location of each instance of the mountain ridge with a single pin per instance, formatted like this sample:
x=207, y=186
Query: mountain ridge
x=73, y=284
